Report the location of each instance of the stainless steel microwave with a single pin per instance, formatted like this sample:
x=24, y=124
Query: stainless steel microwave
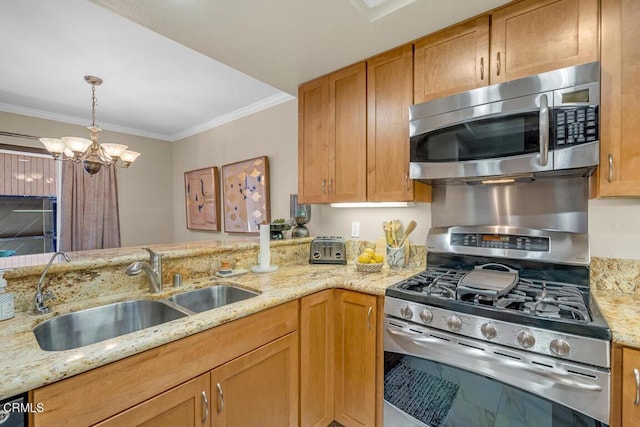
x=543, y=124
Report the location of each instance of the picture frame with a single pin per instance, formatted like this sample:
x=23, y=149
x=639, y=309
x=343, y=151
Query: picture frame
x=246, y=201
x=202, y=199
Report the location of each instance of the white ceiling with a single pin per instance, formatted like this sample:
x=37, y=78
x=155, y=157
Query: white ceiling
x=155, y=56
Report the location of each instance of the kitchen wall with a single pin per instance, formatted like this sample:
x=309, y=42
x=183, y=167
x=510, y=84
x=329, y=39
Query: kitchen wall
x=272, y=133
x=146, y=215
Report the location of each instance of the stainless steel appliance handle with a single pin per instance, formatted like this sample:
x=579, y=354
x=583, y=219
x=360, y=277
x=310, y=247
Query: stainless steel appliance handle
x=544, y=130
x=495, y=264
x=205, y=403
x=636, y=374
x=433, y=343
x=369, y=312
x=610, y=177
x=220, y=398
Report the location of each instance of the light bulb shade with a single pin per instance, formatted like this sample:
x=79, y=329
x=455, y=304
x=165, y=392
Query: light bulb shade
x=53, y=145
x=77, y=145
x=129, y=156
x=114, y=150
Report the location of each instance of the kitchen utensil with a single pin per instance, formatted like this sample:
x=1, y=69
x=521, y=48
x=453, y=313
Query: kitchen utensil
x=410, y=227
x=387, y=232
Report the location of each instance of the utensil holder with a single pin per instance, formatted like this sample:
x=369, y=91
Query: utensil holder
x=396, y=257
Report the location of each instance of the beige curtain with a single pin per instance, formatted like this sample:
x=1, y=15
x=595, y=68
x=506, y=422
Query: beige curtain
x=89, y=208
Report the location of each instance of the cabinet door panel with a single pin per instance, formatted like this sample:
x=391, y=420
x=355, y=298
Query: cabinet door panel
x=313, y=167
x=259, y=388
x=389, y=96
x=620, y=99
x=355, y=359
x=316, y=359
x=182, y=406
x=348, y=134
x=630, y=412
x=534, y=36
x=452, y=61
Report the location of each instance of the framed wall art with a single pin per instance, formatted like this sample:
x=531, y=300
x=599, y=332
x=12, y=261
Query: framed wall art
x=246, y=195
x=202, y=198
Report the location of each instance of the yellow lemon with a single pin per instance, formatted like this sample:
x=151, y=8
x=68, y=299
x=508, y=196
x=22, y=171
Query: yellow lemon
x=364, y=258
x=378, y=257
x=369, y=251
x=373, y=261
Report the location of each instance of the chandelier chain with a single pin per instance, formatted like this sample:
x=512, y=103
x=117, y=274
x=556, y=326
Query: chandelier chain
x=94, y=101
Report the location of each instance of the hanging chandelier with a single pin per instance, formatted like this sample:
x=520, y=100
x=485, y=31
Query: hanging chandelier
x=87, y=151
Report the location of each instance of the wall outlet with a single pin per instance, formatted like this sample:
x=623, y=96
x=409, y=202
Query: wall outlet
x=355, y=229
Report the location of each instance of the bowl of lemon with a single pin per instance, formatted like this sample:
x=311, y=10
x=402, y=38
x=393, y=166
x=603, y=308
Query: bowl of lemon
x=369, y=261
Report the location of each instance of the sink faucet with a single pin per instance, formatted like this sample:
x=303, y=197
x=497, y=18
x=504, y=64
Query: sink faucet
x=40, y=299
x=153, y=269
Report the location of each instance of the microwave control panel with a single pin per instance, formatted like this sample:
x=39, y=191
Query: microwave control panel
x=576, y=125
x=501, y=241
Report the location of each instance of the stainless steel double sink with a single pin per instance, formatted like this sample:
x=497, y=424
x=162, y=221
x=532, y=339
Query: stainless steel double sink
x=93, y=325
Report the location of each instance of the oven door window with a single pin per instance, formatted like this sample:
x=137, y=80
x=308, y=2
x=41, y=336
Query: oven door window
x=419, y=392
x=489, y=138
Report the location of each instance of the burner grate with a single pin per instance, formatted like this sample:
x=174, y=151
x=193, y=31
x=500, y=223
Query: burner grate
x=537, y=298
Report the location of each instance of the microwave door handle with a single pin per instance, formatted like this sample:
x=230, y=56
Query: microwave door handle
x=544, y=130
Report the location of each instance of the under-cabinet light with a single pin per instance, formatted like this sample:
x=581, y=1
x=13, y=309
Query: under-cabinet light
x=373, y=205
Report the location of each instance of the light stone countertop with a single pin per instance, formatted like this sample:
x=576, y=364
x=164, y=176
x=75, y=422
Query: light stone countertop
x=622, y=313
x=25, y=366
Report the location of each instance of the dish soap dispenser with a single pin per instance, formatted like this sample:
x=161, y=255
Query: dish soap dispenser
x=6, y=300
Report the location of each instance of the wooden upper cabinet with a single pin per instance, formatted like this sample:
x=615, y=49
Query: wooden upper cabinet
x=347, y=128
x=332, y=137
x=620, y=99
x=534, y=36
x=452, y=60
x=313, y=165
x=389, y=96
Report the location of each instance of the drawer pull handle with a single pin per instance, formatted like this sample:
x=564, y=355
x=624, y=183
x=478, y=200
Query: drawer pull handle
x=369, y=312
x=482, y=68
x=220, y=397
x=498, y=64
x=324, y=186
x=205, y=403
x=636, y=373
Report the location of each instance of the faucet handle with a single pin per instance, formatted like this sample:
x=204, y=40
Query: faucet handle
x=154, y=255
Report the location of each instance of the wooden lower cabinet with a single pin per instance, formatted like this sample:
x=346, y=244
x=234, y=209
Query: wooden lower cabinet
x=259, y=388
x=316, y=359
x=339, y=365
x=355, y=359
x=166, y=383
x=625, y=404
x=186, y=405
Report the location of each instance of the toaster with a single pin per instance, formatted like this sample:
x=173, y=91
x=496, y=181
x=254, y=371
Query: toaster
x=327, y=250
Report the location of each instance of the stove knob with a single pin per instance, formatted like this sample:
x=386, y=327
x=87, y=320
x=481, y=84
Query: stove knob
x=454, y=322
x=489, y=331
x=526, y=339
x=406, y=312
x=426, y=315
x=559, y=347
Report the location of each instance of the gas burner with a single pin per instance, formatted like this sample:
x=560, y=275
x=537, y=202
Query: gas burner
x=543, y=309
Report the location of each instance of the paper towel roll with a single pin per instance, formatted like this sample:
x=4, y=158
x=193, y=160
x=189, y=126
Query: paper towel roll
x=265, y=250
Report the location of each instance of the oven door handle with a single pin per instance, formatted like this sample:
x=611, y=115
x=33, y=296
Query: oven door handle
x=558, y=377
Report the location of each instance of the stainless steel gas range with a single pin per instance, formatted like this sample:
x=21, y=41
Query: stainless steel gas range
x=499, y=330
